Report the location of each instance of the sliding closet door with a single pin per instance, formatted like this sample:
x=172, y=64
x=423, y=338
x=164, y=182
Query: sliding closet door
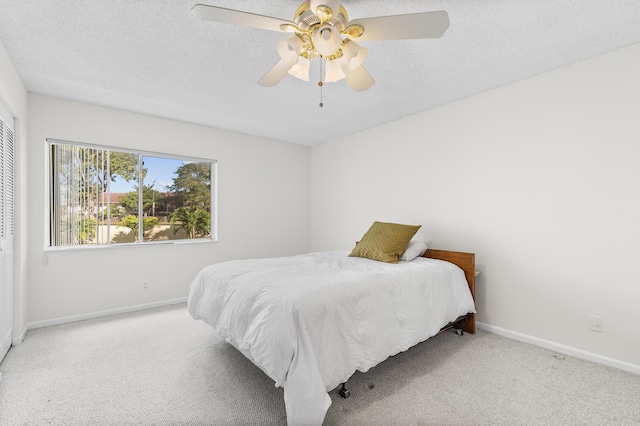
x=6, y=229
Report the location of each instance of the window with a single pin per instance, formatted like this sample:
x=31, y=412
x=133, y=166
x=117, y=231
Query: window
x=99, y=196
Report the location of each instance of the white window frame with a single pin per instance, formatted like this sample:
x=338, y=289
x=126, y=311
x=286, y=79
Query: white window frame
x=213, y=233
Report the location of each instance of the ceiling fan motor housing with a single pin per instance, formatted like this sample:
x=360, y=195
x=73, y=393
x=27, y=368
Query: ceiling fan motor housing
x=306, y=18
x=319, y=5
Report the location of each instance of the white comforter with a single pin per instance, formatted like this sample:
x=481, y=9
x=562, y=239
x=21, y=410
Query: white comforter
x=310, y=321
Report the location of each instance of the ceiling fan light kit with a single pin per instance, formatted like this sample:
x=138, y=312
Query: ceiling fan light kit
x=322, y=30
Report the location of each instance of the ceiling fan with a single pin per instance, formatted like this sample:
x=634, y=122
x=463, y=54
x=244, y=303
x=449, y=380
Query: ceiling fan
x=321, y=29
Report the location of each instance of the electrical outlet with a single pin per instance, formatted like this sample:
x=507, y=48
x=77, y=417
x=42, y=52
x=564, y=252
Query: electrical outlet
x=146, y=286
x=595, y=323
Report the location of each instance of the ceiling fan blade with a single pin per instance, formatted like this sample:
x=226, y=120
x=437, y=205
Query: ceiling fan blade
x=276, y=74
x=237, y=17
x=403, y=27
x=359, y=79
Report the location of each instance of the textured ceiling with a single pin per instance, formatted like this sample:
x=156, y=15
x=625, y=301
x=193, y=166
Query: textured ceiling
x=155, y=57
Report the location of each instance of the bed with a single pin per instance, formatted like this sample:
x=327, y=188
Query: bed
x=311, y=321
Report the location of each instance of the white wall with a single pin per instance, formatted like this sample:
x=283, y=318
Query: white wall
x=263, y=202
x=538, y=178
x=541, y=179
x=13, y=95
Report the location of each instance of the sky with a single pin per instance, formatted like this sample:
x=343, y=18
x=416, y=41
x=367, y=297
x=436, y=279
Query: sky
x=160, y=170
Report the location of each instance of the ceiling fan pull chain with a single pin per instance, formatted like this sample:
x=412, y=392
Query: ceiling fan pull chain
x=320, y=83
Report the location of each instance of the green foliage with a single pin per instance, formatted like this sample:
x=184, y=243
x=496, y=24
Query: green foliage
x=130, y=201
x=193, y=185
x=83, y=174
x=84, y=230
x=123, y=164
x=188, y=202
x=88, y=228
x=195, y=221
x=152, y=200
x=94, y=171
x=149, y=222
x=115, y=213
x=131, y=221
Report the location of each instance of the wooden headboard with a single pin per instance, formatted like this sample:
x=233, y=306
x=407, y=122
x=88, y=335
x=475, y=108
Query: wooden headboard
x=466, y=262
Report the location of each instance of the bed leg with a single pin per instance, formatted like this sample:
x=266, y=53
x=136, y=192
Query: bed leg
x=344, y=392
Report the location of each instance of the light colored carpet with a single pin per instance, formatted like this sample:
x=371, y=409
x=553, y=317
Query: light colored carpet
x=160, y=367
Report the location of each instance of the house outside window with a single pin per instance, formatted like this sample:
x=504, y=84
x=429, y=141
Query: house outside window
x=102, y=196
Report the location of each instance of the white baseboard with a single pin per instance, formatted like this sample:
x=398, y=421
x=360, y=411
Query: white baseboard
x=20, y=337
x=109, y=312
x=546, y=344
x=563, y=349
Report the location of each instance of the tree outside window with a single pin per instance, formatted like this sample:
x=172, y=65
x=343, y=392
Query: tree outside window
x=99, y=196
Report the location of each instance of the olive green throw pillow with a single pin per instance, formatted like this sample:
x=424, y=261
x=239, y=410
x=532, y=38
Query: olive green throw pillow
x=385, y=242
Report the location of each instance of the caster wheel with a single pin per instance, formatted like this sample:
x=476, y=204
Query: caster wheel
x=344, y=393
x=459, y=332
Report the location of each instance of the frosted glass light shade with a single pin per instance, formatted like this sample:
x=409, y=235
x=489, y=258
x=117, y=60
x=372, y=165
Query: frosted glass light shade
x=333, y=71
x=301, y=69
x=326, y=40
x=353, y=54
x=290, y=48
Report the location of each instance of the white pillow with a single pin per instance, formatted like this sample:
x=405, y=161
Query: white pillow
x=414, y=250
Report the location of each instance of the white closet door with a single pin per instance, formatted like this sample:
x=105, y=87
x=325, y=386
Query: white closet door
x=7, y=193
